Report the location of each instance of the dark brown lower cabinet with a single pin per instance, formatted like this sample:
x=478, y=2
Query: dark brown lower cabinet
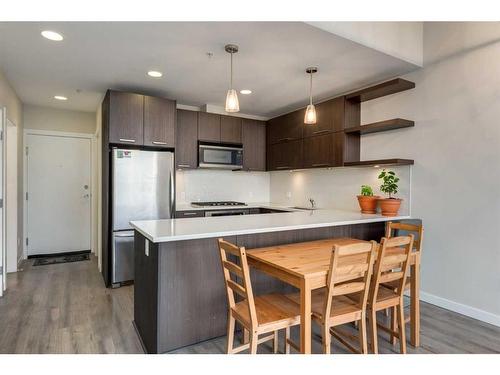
x=286, y=155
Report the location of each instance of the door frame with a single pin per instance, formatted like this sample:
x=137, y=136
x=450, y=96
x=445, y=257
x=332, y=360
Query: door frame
x=52, y=133
x=3, y=248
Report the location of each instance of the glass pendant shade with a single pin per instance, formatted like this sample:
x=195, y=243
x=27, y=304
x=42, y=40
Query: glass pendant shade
x=232, y=103
x=310, y=116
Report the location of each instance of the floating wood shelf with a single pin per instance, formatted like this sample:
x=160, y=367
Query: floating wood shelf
x=381, y=126
x=386, y=88
x=381, y=163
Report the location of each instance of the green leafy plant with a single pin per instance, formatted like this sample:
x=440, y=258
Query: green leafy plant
x=389, y=182
x=366, y=191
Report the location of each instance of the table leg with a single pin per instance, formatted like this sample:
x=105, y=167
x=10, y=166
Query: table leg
x=415, y=303
x=305, y=317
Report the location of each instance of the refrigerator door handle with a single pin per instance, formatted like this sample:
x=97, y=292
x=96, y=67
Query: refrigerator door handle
x=172, y=192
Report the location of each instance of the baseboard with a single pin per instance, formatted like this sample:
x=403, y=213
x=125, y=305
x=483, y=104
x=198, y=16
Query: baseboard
x=466, y=310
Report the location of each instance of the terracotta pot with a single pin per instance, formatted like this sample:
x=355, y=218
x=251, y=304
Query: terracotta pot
x=368, y=204
x=390, y=206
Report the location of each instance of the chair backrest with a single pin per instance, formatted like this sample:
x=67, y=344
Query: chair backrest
x=392, y=229
x=237, y=277
x=350, y=272
x=392, y=264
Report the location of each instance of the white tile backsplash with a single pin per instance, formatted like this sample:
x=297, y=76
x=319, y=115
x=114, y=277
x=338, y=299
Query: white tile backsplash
x=330, y=188
x=218, y=185
x=333, y=188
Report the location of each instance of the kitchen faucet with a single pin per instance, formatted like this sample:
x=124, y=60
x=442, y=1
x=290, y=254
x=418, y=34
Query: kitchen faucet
x=313, y=203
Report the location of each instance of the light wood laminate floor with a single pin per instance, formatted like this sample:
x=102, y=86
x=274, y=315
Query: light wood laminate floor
x=65, y=308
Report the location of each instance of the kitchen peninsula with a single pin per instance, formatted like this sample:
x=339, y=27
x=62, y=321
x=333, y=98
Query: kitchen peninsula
x=179, y=294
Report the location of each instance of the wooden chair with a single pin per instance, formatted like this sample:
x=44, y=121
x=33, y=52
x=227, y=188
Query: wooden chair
x=391, y=230
x=392, y=266
x=260, y=314
x=349, y=273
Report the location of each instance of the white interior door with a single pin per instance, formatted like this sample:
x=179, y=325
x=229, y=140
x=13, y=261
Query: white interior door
x=58, y=200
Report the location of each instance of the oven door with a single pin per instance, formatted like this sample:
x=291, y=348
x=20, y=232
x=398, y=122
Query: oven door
x=226, y=213
x=220, y=157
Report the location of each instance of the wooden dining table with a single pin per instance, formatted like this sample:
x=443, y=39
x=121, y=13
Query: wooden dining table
x=305, y=265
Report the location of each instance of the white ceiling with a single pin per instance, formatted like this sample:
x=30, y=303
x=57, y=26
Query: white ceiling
x=273, y=56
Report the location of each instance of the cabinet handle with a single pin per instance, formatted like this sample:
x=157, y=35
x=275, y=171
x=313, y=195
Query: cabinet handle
x=321, y=131
x=159, y=143
x=184, y=166
x=127, y=140
x=321, y=165
x=189, y=213
x=285, y=139
x=285, y=167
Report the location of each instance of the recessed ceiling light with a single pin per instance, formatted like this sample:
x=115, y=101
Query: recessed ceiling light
x=60, y=97
x=52, y=35
x=245, y=92
x=376, y=166
x=155, y=74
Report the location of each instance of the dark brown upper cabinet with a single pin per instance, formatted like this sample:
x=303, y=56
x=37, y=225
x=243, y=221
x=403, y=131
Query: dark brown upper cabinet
x=126, y=118
x=325, y=150
x=159, y=122
x=329, y=118
x=230, y=129
x=254, y=145
x=186, y=150
x=285, y=155
x=286, y=128
x=209, y=127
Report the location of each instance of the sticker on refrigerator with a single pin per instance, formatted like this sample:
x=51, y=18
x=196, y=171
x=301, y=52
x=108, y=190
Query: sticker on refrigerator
x=122, y=154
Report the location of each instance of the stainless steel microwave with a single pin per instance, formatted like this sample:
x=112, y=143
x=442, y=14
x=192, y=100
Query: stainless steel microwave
x=220, y=157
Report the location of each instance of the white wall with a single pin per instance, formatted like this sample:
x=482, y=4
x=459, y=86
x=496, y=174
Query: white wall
x=403, y=40
x=45, y=118
x=10, y=100
x=333, y=188
x=11, y=196
x=215, y=185
x=456, y=177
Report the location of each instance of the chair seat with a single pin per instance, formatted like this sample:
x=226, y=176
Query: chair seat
x=274, y=310
x=386, y=297
x=344, y=309
x=395, y=284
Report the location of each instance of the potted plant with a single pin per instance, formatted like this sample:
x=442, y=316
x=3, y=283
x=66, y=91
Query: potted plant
x=389, y=206
x=367, y=201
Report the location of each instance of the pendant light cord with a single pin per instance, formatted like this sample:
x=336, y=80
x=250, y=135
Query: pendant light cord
x=310, y=89
x=231, y=71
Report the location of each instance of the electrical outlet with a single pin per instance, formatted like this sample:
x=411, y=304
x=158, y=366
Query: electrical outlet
x=250, y=194
x=289, y=195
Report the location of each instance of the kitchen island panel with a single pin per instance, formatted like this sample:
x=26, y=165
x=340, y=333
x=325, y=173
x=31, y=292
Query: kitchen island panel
x=192, y=300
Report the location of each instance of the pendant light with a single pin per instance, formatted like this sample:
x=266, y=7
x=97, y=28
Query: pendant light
x=310, y=116
x=232, y=103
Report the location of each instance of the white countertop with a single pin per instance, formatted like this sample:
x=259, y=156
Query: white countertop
x=208, y=227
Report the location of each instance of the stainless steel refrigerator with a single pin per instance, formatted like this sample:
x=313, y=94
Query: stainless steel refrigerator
x=142, y=189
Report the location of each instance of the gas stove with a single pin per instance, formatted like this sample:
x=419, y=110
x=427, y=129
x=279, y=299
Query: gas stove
x=218, y=204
